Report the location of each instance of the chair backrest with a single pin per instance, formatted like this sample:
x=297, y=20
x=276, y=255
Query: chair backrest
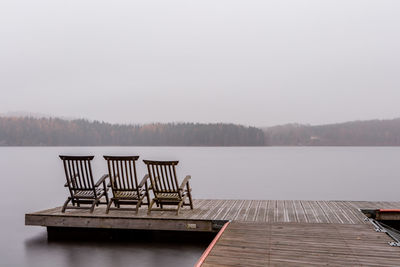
x=122, y=172
x=163, y=176
x=78, y=172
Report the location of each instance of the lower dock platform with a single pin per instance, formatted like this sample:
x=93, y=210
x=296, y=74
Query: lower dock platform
x=301, y=244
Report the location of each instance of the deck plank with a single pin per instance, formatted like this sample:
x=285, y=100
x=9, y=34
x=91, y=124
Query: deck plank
x=300, y=212
x=302, y=244
x=339, y=212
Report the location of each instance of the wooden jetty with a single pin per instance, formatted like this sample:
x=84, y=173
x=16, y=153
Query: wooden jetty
x=259, y=233
x=301, y=244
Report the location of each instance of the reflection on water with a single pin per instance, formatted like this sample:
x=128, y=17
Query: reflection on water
x=33, y=179
x=148, y=249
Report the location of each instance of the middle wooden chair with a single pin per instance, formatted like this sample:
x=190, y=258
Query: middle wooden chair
x=124, y=183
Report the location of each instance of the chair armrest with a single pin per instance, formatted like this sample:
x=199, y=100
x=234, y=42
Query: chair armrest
x=102, y=179
x=110, y=182
x=144, y=180
x=184, y=182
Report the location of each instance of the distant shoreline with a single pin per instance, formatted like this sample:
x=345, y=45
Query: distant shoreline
x=42, y=132
x=2, y=146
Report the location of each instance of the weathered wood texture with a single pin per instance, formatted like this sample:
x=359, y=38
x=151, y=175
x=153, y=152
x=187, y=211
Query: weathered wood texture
x=339, y=212
x=262, y=232
x=302, y=244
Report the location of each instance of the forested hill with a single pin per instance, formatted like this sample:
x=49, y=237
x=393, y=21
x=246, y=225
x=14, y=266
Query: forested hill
x=356, y=133
x=28, y=131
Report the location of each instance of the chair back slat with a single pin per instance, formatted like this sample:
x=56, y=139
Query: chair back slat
x=171, y=177
x=125, y=172
x=160, y=179
x=175, y=178
x=83, y=174
x=122, y=172
x=163, y=176
x=171, y=186
x=119, y=175
x=132, y=171
x=78, y=172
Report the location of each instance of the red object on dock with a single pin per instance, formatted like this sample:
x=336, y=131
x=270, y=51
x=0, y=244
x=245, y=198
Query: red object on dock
x=210, y=247
x=389, y=210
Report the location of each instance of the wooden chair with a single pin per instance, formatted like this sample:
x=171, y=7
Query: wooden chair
x=164, y=184
x=124, y=183
x=83, y=190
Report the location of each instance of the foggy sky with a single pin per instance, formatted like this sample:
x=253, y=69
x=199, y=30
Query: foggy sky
x=251, y=62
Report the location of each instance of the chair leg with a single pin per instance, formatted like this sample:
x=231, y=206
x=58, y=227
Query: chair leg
x=109, y=206
x=179, y=207
x=93, y=205
x=148, y=199
x=151, y=205
x=106, y=195
x=190, y=196
x=190, y=201
x=65, y=205
x=138, y=205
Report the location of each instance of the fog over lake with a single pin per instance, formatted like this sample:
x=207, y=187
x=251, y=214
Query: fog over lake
x=253, y=62
x=33, y=180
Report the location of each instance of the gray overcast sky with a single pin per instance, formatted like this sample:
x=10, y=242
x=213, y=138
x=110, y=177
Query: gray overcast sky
x=250, y=62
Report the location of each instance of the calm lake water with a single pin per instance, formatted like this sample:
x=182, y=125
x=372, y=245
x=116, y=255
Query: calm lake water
x=32, y=179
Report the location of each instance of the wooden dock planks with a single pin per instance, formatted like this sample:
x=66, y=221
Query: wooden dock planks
x=302, y=244
x=261, y=232
x=338, y=212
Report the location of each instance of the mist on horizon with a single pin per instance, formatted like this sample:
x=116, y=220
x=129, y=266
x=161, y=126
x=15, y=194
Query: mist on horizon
x=35, y=115
x=259, y=63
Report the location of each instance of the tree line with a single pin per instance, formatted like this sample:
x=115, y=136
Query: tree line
x=356, y=133
x=29, y=131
